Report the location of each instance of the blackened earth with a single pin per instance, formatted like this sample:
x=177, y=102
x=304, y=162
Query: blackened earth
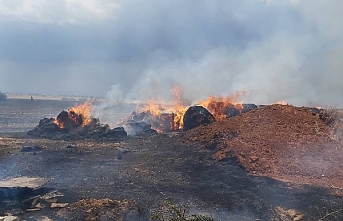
x=151, y=170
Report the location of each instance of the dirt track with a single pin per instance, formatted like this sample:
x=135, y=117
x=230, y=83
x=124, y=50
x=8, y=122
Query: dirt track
x=213, y=169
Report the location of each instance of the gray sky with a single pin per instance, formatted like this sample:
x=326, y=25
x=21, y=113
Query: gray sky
x=272, y=49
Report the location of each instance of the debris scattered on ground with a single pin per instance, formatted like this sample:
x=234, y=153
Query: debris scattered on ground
x=280, y=141
x=33, y=210
x=58, y=205
x=44, y=218
x=9, y=218
x=288, y=214
x=101, y=209
x=21, y=182
x=52, y=195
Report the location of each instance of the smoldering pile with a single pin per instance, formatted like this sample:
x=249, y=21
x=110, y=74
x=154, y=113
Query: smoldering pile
x=149, y=121
x=77, y=123
x=74, y=124
x=154, y=119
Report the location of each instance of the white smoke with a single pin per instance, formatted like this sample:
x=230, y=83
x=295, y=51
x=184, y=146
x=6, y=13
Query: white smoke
x=115, y=96
x=298, y=58
x=110, y=110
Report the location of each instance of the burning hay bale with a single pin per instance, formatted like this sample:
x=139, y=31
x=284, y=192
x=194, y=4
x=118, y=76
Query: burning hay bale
x=232, y=112
x=47, y=128
x=165, y=117
x=149, y=121
x=248, y=107
x=76, y=123
x=226, y=107
x=143, y=122
x=196, y=116
x=69, y=119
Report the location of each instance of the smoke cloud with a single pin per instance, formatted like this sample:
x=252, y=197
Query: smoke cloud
x=272, y=49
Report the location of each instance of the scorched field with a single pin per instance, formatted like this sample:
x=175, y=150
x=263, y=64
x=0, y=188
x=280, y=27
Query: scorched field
x=218, y=160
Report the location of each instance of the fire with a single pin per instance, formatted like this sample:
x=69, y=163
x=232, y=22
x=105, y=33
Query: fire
x=218, y=105
x=282, y=102
x=80, y=115
x=60, y=124
x=84, y=110
x=169, y=117
x=178, y=108
x=166, y=116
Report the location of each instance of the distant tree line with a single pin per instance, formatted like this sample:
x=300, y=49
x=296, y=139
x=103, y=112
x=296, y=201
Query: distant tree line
x=3, y=96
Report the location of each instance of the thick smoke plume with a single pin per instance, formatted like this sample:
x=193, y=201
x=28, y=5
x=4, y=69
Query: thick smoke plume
x=289, y=51
x=273, y=49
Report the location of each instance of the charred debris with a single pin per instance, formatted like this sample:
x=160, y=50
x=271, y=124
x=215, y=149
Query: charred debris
x=70, y=125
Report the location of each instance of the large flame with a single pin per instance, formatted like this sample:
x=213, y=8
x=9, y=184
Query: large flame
x=74, y=114
x=84, y=110
x=171, y=114
x=218, y=105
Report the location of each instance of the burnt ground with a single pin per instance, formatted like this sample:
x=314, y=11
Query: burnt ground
x=209, y=169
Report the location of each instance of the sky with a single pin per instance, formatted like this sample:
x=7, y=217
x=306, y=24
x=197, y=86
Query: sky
x=273, y=50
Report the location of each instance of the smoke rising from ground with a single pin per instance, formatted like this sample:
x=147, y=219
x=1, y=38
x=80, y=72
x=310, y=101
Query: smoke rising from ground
x=274, y=50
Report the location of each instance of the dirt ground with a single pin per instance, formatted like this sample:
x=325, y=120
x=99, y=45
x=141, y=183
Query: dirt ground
x=278, y=162
x=280, y=141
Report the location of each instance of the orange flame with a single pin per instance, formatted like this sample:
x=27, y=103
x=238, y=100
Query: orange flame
x=218, y=105
x=163, y=112
x=60, y=124
x=83, y=110
x=178, y=108
x=171, y=115
x=282, y=102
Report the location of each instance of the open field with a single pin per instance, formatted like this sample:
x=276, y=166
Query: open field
x=44, y=97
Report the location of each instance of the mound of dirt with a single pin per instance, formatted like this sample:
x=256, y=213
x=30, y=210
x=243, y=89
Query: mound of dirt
x=281, y=141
